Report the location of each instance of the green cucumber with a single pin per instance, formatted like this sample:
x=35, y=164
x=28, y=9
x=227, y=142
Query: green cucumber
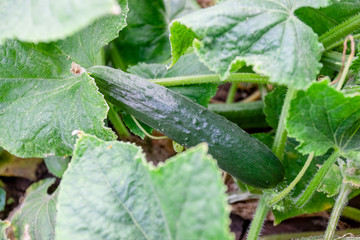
x=189, y=124
x=246, y=115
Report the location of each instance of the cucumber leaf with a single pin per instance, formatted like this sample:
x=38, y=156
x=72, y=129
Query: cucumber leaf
x=46, y=20
x=273, y=105
x=122, y=197
x=35, y=218
x=146, y=38
x=84, y=46
x=234, y=31
x=322, y=118
x=41, y=102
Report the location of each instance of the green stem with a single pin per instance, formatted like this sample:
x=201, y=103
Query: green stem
x=278, y=149
x=117, y=123
x=330, y=38
x=333, y=59
x=351, y=213
x=348, y=63
x=341, y=41
x=287, y=190
x=232, y=92
x=316, y=181
x=211, y=78
x=341, y=201
x=116, y=58
x=145, y=132
x=100, y=58
x=258, y=219
x=281, y=134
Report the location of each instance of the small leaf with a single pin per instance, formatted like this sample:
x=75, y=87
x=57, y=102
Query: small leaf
x=122, y=197
x=57, y=165
x=44, y=21
x=322, y=118
x=273, y=105
x=281, y=47
x=332, y=182
x=36, y=215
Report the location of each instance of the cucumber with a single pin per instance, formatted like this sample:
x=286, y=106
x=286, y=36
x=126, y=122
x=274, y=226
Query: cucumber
x=246, y=115
x=189, y=124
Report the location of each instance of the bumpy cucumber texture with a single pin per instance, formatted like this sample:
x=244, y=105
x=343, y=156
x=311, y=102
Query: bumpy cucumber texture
x=189, y=124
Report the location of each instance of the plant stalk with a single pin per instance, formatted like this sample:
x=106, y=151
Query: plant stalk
x=341, y=201
x=117, y=123
x=348, y=62
x=117, y=59
x=330, y=39
x=278, y=148
x=231, y=94
x=351, y=213
x=258, y=219
x=341, y=42
x=145, y=132
x=211, y=78
x=316, y=181
x=281, y=134
x=287, y=190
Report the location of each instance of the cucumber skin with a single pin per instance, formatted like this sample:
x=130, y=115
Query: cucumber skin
x=189, y=124
x=246, y=115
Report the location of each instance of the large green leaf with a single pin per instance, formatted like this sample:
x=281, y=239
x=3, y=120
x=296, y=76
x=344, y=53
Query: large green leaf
x=112, y=188
x=41, y=102
x=146, y=38
x=322, y=118
x=46, y=20
x=263, y=33
x=84, y=46
x=35, y=218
